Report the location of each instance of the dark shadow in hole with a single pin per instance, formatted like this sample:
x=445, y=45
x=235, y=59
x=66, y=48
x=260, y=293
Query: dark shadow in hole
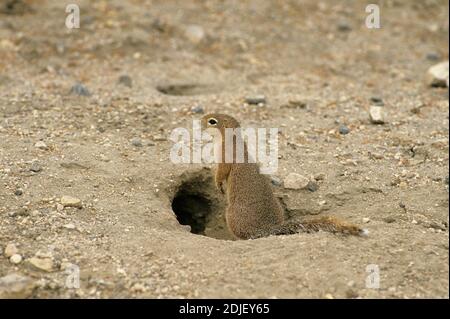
x=197, y=203
x=191, y=210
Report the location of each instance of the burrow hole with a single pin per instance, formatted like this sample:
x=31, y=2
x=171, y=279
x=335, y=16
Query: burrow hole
x=197, y=203
x=186, y=89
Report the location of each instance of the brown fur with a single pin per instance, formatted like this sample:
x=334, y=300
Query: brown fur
x=253, y=210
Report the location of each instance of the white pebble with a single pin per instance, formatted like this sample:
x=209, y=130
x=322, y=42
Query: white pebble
x=15, y=259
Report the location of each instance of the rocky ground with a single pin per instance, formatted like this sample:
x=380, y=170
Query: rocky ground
x=87, y=187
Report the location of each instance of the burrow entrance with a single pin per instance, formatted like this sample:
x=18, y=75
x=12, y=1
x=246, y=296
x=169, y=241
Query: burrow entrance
x=186, y=89
x=197, y=203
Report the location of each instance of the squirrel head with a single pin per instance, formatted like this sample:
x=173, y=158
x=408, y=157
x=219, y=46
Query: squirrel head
x=218, y=121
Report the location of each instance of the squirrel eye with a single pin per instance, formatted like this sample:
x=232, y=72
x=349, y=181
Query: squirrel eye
x=212, y=121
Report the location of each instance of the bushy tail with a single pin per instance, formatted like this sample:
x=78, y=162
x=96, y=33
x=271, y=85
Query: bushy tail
x=327, y=223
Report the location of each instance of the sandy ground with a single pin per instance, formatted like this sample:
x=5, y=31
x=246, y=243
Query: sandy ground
x=318, y=67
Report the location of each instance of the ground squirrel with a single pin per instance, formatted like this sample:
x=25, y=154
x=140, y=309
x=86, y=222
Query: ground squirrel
x=253, y=211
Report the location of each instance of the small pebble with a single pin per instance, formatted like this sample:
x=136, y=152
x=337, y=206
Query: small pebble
x=45, y=264
x=35, y=213
x=275, y=180
x=195, y=33
x=433, y=56
x=138, y=288
x=10, y=250
x=15, y=259
x=376, y=155
x=257, y=99
x=197, y=109
x=376, y=100
x=19, y=212
x=366, y=220
x=343, y=129
x=18, y=192
x=135, y=141
x=389, y=220
x=159, y=138
x=80, y=90
x=35, y=167
x=344, y=27
x=40, y=145
x=438, y=75
x=376, y=114
x=296, y=104
x=439, y=226
x=319, y=177
x=68, y=201
x=312, y=186
x=295, y=181
x=125, y=80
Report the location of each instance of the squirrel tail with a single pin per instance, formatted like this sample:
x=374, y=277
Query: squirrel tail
x=327, y=223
